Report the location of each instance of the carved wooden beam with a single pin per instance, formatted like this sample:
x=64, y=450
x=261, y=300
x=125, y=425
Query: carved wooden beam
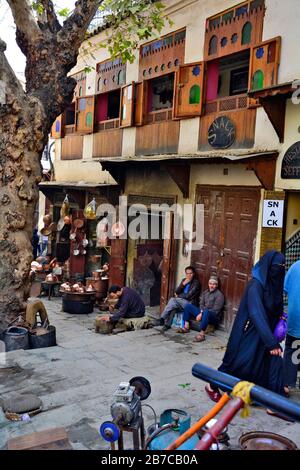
x=265, y=171
x=275, y=108
x=180, y=174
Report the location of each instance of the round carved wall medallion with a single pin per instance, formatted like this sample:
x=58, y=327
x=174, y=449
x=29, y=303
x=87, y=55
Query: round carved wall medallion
x=221, y=133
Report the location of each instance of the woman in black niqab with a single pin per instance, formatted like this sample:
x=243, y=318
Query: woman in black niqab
x=253, y=353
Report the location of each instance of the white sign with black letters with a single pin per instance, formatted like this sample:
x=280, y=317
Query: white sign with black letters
x=273, y=214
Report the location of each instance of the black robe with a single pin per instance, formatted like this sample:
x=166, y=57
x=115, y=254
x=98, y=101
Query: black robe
x=251, y=340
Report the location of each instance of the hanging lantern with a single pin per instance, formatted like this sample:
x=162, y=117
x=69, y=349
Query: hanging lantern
x=89, y=211
x=64, y=210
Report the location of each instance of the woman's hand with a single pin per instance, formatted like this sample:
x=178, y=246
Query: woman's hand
x=199, y=317
x=276, y=352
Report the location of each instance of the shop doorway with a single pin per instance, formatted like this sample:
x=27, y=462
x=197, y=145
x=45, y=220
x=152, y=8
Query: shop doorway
x=151, y=259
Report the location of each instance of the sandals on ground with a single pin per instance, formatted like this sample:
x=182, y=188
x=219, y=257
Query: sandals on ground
x=199, y=338
x=183, y=330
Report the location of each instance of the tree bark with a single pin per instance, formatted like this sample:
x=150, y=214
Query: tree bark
x=23, y=136
x=25, y=121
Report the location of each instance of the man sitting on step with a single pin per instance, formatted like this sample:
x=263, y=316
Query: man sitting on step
x=211, y=307
x=187, y=293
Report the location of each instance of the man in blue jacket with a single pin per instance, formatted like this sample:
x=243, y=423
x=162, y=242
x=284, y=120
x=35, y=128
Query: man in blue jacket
x=187, y=292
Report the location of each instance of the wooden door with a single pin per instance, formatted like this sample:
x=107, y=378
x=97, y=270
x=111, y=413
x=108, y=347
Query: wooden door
x=169, y=261
x=58, y=127
x=85, y=109
x=127, y=105
x=140, y=102
x=189, y=91
x=117, y=262
x=264, y=64
x=230, y=226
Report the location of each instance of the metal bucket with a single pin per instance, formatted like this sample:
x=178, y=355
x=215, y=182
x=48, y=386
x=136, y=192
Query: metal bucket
x=101, y=287
x=43, y=341
x=260, y=440
x=15, y=337
x=77, y=307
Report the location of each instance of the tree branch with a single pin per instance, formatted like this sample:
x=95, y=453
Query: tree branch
x=48, y=17
x=24, y=19
x=10, y=83
x=74, y=28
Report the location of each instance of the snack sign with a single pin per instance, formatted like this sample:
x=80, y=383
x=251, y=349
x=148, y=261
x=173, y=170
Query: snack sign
x=273, y=213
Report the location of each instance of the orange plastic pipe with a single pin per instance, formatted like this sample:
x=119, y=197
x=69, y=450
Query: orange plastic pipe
x=197, y=426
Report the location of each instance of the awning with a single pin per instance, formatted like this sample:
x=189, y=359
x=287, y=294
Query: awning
x=273, y=99
x=74, y=184
x=208, y=156
x=77, y=190
x=262, y=162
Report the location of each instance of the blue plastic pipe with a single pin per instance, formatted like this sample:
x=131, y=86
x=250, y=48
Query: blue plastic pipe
x=258, y=394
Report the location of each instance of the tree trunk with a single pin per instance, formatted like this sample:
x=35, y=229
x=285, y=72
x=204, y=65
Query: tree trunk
x=22, y=138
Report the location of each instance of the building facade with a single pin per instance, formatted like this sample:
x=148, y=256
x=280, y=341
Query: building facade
x=205, y=115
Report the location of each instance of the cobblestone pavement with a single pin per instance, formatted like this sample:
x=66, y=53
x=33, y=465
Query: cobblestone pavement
x=77, y=378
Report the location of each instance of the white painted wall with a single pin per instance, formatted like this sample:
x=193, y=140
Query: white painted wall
x=265, y=135
x=282, y=19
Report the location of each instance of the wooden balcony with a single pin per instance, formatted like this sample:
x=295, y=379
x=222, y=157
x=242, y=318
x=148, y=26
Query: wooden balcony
x=159, y=135
x=234, y=108
x=70, y=129
x=158, y=116
x=229, y=103
x=71, y=147
x=107, y=140
x=108, y=124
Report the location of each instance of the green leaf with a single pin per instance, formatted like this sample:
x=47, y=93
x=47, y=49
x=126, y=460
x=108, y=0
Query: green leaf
x=184, y=385
x=64, y=12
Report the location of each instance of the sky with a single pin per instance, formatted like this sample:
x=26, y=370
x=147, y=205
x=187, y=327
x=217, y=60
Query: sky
x=7, y=34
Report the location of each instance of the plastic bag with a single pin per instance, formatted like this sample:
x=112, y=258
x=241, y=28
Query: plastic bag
x=178, y=320
x=90, y=210
x=281, y=328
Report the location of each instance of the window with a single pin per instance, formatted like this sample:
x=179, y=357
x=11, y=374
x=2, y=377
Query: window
x=195, y=94
x=227, y=16
x=214, y=22
x=256, y=3
x=228, y=76
x=160, y=93
x=121, y=77
x=239, y=81
x=258, y=80
x=82, y=104
x=246, y=33
x=89, y=119
x=272, y=52
x=70, y=115
x=241, y=10
x=108, y=106
x=213, y=45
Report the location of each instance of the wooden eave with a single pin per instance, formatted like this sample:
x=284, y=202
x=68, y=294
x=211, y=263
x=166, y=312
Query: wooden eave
x=273, y=99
